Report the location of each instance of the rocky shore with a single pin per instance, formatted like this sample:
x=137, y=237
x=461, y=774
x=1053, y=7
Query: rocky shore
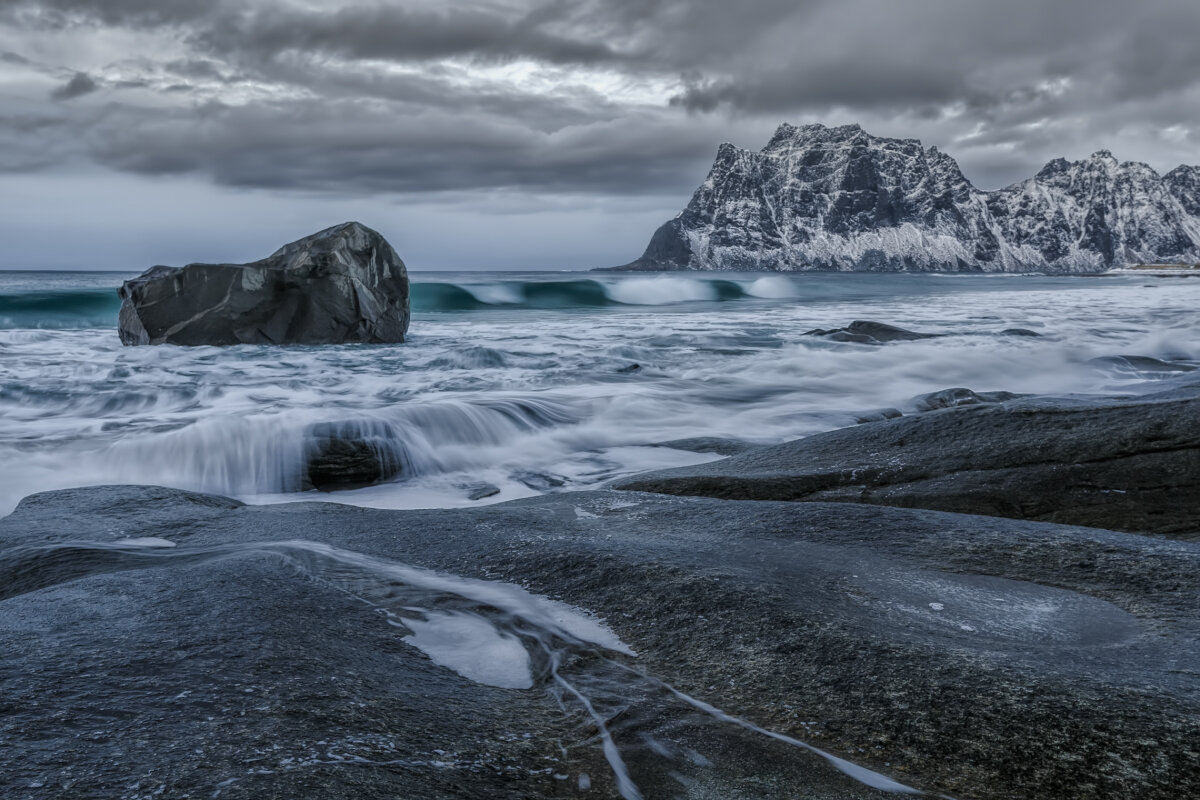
x=1125, y=463
x=184, y=645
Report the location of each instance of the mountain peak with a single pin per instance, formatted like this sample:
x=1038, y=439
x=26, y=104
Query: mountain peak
x=1056, y=166
x=837, y=198
x=789, y=136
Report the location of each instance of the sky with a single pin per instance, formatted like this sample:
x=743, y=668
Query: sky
x=527, y=134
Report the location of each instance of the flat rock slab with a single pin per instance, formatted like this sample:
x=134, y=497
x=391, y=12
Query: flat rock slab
x=972, y=656
x=1124, y=464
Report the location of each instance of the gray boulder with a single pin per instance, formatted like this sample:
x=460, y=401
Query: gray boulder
x=1123, y=464
x=343, y=284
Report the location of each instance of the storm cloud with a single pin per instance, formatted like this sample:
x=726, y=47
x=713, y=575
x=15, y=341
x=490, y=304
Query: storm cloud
x=79, y=85
x=605, y=99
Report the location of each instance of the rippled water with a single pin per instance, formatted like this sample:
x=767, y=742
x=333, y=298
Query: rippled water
x=545, y=381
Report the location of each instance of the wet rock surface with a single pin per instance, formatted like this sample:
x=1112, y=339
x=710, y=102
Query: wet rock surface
x=972, y=656
x=868, y=332
x=710, y=444
x=1140, y=364
x=958, y=396
x=1128, y=464
x=350, y=456
x=343, y=284
x=479, y=490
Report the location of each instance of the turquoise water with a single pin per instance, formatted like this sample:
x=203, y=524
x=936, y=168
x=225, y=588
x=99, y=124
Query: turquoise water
x=537, y=382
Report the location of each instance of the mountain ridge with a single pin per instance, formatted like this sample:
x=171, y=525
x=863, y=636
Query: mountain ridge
x=839, y=198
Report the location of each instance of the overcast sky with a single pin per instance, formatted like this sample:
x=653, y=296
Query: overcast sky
x=542, y=134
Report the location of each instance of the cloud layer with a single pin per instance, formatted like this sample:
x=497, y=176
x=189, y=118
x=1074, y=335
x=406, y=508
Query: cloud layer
x=576, y=98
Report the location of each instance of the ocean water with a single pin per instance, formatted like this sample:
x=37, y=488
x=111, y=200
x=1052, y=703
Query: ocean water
x=545, y=382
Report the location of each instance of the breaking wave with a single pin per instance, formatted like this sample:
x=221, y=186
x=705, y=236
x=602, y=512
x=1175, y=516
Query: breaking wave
x=488, y=406
x=579, y=293
x=98, y=307
x=86, y=308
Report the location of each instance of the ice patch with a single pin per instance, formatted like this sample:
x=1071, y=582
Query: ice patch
x=541, y=612
x=145, y=541
x=472, y=647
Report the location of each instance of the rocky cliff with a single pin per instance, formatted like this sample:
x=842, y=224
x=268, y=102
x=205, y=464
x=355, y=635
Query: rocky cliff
x=819, y=198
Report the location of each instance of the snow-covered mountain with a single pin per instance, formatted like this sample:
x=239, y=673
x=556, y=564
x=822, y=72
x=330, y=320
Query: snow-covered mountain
x=819, y=198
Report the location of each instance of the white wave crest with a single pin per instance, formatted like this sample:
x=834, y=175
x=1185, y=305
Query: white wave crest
x=660, y=291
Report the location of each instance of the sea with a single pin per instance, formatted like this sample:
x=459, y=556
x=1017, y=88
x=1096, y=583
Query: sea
x=536, y=382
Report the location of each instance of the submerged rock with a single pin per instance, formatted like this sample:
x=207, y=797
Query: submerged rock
x=867, y=332
x=540, y=481
x=964, y=656
x=709, y=444
x=958, y=396
x=1136, y=364
x=350, y=456
x=876, y=414
x=1131, y=465
x=479, y=490
x=343, y=284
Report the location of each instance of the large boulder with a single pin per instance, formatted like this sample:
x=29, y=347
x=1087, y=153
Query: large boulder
x=343, y=284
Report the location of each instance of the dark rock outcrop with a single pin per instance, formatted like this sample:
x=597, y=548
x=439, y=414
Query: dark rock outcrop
x=350, y=456
x=479, y=490
x=966, y=656
x=1131, y=465
x=343, y=284
x=709, y=444
x=875, y=415
x=818, y=198
x=867, y=332
x=958, y=396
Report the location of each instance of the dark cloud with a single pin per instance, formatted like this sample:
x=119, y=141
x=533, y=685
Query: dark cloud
x=395, y=33
x=612, y=97
x=79, y=85
x=137, y=13
x=351, y=146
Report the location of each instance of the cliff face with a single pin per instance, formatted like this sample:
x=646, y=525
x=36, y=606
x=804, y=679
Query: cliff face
x=818, y=198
